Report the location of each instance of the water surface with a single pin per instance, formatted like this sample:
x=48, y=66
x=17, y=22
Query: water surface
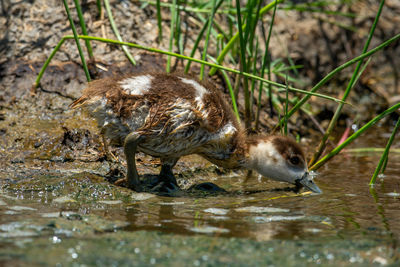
x=72, y=216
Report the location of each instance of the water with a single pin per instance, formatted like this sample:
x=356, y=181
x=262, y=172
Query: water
x=74, y=217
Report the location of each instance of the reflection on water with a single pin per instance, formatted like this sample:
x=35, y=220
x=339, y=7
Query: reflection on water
x=348, y=209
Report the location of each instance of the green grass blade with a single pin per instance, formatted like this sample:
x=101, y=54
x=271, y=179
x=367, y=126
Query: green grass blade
x=196, y=44
x=98, y=4
x=190, y=8
x=266, y=62
x=243, y=67
x=71, y=22
x=332, y=123
x=204, y=56
x=171, y=36
x=286, y=119
x=159, y=21
x=46, y=63
x=231, y=91
x=354, y=136
x=229, y=45
x=116, y=32
x=83, y=26
x=340, y=68
x=371, y=150
x=383, y=160
x=249, y=23
x=155, y=50
x=335, y=117
x=253, y=82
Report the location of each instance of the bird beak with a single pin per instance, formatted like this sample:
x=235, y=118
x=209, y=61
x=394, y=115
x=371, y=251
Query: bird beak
x=308, y=183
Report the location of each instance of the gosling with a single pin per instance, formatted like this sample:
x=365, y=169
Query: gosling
x=172, y=115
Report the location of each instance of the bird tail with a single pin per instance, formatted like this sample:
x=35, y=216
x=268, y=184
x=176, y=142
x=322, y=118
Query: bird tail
x=79, y=102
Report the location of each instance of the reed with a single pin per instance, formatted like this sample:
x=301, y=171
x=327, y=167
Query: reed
x=84, y=30
x=350, y=85
x=78, y=45
x=210, y=24
x=159, y=21
x=243, y=67
x=354, y=136
x=266, y=63
x=116, y=32
x=172, y=54
x=384, y=158
x=174, y=14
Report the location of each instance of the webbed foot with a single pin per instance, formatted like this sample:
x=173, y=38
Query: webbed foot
x=207, y=188
x=166, y=188
x=124, y=183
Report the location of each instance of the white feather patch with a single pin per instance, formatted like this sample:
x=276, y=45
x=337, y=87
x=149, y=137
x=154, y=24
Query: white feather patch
x=137, y=85
x=200, y=90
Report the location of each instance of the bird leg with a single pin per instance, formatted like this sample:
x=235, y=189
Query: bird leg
x=130, y=146
x=167, y=182
x=167, y=176
x=109, y=155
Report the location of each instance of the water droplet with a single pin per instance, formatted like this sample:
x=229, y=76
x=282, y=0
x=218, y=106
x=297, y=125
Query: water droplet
x=330, y=256
x=56, y=240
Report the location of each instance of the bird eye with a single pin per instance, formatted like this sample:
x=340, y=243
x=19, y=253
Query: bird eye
x=294, y=160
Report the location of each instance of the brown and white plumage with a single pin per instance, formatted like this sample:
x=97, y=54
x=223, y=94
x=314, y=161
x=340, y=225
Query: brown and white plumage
x=172, y=115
